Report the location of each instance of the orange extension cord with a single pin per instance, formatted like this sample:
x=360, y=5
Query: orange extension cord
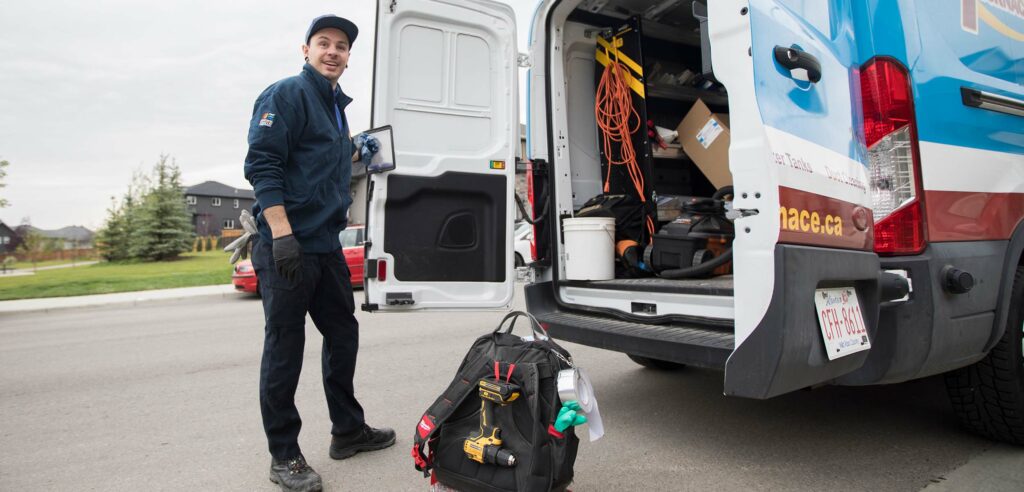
x=615, y=116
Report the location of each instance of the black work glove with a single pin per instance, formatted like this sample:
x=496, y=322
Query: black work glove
x=288, y=258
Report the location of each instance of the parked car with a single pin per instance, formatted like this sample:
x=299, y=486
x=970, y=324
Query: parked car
x=244, y=276
x=523, y=238
x=352, y=240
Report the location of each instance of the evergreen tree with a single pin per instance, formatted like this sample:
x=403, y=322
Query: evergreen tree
x=162, y=227
x=3, y=174
x=113, y=240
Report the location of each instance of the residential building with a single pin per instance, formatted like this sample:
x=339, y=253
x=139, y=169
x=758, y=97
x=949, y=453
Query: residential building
x=215, y=208
x=70, y=237
x=8, y=239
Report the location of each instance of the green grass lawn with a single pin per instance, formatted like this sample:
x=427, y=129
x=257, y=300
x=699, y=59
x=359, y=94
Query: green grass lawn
x=192, y=270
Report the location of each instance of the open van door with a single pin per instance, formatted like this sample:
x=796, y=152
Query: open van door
x=803, y=79
x=439, y=226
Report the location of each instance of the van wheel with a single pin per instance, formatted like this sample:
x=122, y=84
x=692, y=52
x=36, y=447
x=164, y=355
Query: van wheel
x=519, y=260
x=650, y=363
x=988, y=396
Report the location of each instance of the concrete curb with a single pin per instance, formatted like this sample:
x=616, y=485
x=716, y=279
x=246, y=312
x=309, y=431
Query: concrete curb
x=122, y=298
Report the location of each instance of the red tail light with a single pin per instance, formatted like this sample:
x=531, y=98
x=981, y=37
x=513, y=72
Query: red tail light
x=382, y=270
x=529, y=198
x=890, y=135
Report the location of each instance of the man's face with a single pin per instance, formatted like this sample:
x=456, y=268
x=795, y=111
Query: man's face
x=327, y=52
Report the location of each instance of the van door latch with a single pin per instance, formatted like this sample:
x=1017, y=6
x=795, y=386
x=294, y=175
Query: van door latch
x=399, y=299
x=739, y=213
x=524, y=60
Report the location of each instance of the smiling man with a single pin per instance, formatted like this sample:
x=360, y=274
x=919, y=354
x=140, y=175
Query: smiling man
x=300, y=165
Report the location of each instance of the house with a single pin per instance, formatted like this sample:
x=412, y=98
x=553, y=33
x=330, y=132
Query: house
x=70, y=237
x=8, y=239
x=215, y=208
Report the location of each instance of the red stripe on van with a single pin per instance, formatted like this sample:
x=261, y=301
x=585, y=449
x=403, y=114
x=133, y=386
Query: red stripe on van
x=972, y=216
x=809, y=218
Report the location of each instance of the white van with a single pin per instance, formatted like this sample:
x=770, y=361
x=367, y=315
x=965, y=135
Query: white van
x=875, y=154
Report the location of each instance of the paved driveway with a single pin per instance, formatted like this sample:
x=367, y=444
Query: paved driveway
x=162, y=396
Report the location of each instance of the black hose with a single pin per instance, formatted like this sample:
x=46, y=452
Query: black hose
x=696, y=271
x=722, y=193
x=526, y=216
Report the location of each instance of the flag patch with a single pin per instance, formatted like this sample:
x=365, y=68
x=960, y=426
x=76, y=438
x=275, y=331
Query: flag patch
x=267, y=120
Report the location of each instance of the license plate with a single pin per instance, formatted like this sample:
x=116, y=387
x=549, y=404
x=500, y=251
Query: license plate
x=841, y=321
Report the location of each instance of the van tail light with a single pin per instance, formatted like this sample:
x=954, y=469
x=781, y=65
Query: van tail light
x=890, y=135
x=382, y=270
x=529, y=198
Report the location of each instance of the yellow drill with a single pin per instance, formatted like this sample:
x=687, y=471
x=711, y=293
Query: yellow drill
x=486, y=447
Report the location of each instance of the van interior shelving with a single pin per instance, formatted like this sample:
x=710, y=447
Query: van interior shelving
x=669, y=50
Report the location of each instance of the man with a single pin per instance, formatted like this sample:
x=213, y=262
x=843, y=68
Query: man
x=300, y=164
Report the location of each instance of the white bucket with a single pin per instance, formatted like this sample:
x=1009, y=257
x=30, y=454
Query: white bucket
x=589, y=248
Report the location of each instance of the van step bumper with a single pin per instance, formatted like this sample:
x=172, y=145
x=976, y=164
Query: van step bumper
x=698, y=346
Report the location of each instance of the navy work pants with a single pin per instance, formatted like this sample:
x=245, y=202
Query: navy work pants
x=325, y=292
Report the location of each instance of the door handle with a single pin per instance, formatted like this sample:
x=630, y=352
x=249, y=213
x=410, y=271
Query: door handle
x=793, y=59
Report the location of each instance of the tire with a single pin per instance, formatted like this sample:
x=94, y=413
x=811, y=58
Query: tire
x=988, y=396
x=662, y=365
x=519, y=261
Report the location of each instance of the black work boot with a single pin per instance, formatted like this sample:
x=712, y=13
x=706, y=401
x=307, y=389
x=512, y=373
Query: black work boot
x=295, y=475
x=364, y=439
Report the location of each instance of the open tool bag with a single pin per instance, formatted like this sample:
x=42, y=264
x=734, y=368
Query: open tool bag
x=491, y=429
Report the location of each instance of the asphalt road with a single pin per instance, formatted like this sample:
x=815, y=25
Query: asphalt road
x=163, y=396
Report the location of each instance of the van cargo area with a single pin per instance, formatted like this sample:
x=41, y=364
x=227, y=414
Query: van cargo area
x=648, y=140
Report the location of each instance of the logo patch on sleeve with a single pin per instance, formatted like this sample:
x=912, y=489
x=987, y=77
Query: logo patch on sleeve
x=267, y=120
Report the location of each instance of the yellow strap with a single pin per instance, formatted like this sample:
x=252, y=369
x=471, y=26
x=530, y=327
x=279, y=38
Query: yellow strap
x=634, y=84
x=620, y=55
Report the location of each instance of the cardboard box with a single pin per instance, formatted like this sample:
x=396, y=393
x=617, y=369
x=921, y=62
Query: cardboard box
x=705, y=139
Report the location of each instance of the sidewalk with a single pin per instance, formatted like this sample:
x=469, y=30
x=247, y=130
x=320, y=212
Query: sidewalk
x=31, y=271
x=52, y=303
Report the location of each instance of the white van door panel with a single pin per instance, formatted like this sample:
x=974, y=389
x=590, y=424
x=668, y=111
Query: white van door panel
x=440, y=225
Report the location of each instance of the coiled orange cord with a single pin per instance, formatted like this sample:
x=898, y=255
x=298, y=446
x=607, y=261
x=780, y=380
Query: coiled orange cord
x=618, y=120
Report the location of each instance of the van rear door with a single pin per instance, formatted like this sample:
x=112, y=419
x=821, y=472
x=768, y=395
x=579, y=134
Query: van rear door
x=803, y=79
x=439, y=227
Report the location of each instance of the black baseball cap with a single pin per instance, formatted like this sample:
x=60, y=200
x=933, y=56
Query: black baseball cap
x=330, y=20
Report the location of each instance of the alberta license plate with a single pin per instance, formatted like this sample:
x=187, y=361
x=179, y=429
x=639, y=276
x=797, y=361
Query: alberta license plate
x=841, y=321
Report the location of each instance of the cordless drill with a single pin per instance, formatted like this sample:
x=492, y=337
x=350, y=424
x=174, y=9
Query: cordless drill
x=486, y=447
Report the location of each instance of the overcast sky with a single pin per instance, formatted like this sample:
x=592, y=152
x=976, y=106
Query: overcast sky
x=92, y=91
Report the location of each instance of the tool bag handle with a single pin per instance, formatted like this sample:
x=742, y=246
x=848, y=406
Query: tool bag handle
x=538, y=330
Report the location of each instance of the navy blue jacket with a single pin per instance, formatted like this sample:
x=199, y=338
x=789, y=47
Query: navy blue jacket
x=299, y=158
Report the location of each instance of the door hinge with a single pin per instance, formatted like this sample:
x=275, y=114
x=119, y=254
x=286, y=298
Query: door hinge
x=524, y=60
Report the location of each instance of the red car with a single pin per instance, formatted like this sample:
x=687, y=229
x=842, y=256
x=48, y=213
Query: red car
x=244, y=277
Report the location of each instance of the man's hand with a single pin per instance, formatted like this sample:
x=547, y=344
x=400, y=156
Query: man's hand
x=288, y=258
x=367, y=146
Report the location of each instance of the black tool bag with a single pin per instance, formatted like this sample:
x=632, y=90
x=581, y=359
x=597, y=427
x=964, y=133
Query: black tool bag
x=544, y=457
x=627, y=211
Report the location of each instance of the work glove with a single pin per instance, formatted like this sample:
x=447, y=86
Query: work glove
x=240, y=246
x=368, y=146
x=570, y=415
x=288, y=258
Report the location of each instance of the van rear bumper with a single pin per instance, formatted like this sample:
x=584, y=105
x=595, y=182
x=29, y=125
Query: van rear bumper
x=690, y=344
x=935, y=331
x=784, y=353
